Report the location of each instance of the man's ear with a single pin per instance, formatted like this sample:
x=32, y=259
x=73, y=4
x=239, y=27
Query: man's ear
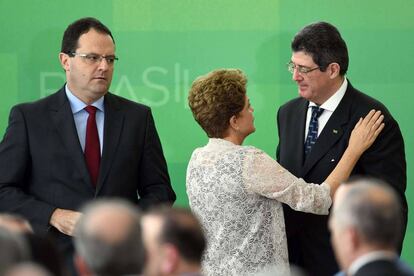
x=334, y=70
x=171, y=259
x=354, y=238
x=64, y=61
x=81, y=266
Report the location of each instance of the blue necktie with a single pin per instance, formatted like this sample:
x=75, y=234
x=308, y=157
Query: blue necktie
x=313, y=129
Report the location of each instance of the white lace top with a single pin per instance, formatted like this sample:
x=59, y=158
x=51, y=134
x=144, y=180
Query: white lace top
x=236, y=192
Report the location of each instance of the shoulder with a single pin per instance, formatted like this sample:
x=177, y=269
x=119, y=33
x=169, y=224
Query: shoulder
x=123, y=103
x=292, y=105
x=54, y=100
x=363, y=101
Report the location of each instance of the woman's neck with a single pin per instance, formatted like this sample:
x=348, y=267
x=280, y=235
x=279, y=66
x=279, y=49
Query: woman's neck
x=237, y=140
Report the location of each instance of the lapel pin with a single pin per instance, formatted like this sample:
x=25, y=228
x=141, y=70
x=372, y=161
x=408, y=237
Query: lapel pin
x=335, y=131
x=332, y=160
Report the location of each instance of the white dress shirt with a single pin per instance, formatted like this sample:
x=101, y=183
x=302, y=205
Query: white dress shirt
x=80, y=116
x=329, y=107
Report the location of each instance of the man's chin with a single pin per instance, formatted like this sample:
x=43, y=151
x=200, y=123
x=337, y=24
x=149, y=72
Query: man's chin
x=304, y=93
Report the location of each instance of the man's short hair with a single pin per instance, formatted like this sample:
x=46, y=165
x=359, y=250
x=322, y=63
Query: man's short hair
x=373, y=209
x=104, y=256
x=79, y=27
x=323, y=42
x=183, y=230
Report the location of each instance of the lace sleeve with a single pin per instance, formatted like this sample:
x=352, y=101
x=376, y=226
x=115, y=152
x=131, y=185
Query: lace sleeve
x=265, y=176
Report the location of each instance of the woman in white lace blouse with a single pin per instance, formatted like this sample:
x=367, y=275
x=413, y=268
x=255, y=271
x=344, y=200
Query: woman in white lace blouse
x=236, y=191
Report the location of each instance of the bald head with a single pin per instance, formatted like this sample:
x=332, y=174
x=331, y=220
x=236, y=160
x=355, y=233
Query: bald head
x=109, y=221
x=372, y=208
x=366, y=217
x=108, y=238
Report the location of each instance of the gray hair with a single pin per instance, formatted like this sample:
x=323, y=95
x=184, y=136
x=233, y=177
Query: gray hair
x=13, y=249
x=105, y=255
x=373, y=209
x=27, y=269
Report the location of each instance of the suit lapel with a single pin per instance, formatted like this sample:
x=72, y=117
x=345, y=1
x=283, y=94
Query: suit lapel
x=62, y=118
x=114, y=120
x=298, y=134
x=332, y=131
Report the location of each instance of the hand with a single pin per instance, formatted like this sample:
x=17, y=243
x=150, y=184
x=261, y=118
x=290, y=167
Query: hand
x=65, y=220
x=365, y=132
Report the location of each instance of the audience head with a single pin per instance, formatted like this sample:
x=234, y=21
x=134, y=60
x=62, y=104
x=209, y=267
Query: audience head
x=219, y=98
x=27, y=269
x=366, y=217
x=15, y=223
x=108, y=239
x=174, y=240
x=13, y=249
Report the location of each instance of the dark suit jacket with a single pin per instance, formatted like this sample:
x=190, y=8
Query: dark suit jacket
x=42, y=166
x=384, y=268
x=307, y=234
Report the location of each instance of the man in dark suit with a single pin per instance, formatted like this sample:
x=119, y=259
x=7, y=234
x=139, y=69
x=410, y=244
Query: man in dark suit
x=80, y=143
x=313, y=134
x=366, y=223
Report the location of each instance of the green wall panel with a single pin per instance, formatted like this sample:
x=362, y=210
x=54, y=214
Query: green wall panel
x=164, y=44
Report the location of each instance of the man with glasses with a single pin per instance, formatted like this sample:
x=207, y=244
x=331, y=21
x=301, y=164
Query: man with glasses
x=314, y=130
x=80, y=143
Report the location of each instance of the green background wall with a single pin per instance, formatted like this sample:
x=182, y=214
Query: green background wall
x=164, y=44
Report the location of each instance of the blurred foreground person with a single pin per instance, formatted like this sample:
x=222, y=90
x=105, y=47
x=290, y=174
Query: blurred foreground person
x=175, y=242
x=13, y=249
x=366, y=223
x=108, y=239
x=27, y=269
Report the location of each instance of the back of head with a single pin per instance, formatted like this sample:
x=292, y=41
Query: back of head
x=13, y=249
x=15, y=223
x=373, y=209
x=324, y=43
x=108, y=238
x=174, y=240
x=215, y=97
x=182, y=229
x=28, y=269
x=78, y=28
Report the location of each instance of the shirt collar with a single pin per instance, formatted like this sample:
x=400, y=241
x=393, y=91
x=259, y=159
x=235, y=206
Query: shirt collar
x=77, y=105
x=335, y=99
x=368, y=258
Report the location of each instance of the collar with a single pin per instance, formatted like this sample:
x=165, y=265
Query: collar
x=370, y=257
x=335, y=99
x=77, y=105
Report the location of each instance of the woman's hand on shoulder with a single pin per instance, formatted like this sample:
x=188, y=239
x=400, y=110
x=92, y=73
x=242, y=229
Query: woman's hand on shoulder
x=366, y=131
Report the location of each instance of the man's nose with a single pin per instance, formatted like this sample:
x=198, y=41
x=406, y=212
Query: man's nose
x=295, y=75
x=103, y=64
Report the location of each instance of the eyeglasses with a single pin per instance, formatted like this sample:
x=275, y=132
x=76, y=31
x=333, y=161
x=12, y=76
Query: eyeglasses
x=94, y=58
x=301, y=69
